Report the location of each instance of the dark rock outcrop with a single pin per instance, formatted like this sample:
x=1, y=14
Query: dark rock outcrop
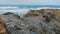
x=9, y=13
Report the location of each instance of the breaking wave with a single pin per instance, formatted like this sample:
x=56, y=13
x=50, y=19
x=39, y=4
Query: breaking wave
x=20, y=11
x=39, y=8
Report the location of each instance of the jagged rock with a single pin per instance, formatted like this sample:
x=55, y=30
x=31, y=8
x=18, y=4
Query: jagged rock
x=7, y=13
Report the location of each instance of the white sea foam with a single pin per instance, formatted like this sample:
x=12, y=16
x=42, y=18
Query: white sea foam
x=39, y=8
x=7, y=7
x=19, y=11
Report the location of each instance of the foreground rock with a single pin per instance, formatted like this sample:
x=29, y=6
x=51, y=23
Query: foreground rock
x=45, y=21
x=15, y=23
x=3, y=29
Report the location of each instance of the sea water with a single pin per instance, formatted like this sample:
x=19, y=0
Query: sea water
x=24, y=9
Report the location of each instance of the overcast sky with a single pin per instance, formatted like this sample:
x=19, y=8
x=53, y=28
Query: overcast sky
x=29, y=2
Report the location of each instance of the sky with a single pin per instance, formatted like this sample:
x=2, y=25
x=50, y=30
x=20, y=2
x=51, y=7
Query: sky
x=29, y=2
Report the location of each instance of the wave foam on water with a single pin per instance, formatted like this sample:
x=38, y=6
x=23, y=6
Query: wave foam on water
x=7, y=7
x=19, y=11
x=39, y=8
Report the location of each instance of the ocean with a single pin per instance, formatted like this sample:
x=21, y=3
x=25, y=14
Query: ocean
x=24, y=9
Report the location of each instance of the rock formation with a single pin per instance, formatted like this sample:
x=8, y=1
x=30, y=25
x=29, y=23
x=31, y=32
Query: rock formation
x=15, y=23
x=3, y=29
x=44, y=21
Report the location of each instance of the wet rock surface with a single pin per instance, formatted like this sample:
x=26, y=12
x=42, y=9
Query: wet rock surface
x=45, y=21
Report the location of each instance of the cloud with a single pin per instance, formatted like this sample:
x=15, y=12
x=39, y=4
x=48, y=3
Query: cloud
x=29, y=2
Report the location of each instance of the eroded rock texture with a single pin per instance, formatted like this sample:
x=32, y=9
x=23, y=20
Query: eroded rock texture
x=44, y=21
x=3, y=29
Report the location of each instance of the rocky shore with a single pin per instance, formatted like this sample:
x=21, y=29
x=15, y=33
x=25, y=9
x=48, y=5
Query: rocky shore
x=44, y=21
